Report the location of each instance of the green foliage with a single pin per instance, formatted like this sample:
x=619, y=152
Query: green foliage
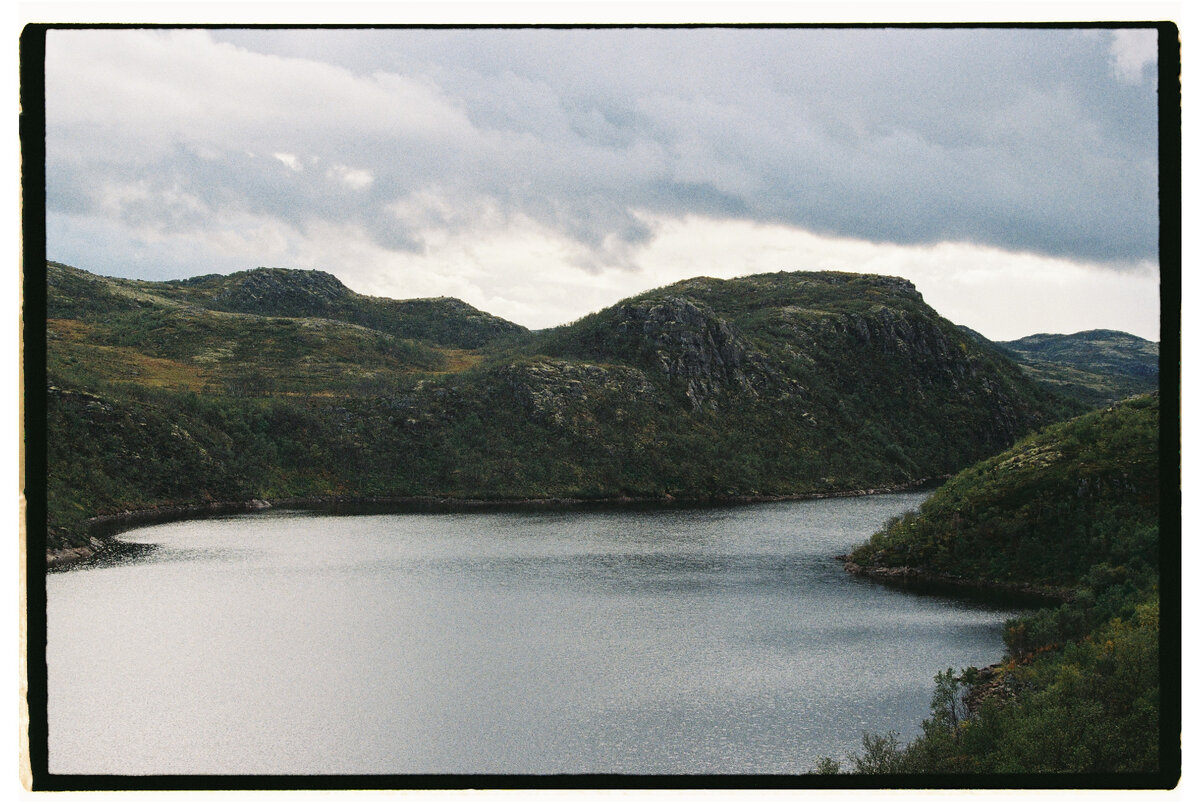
x=780, y=384
x=1091, y=707
x=1076, y=507
x=882, y=753
x=1048, y=512
x=827, y=766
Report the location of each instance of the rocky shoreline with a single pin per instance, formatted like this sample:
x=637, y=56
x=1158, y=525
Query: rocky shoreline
x=918, y=579
x=101, y=530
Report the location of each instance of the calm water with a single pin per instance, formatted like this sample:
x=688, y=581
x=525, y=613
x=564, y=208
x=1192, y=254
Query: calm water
x=679, y=641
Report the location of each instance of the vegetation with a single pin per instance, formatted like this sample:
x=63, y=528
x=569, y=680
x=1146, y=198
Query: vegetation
x=1097, y=367
x=280, y=384
x=1074, y=507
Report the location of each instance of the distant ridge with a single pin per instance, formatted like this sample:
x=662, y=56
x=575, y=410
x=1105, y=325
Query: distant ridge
x=1096, y=367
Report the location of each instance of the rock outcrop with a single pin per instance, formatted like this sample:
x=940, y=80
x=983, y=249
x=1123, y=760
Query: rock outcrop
x=691, y=344
x=550, y=390
x=281, y=291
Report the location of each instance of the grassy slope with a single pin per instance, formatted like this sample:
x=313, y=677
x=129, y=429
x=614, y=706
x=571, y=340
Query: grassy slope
x=1074, y=506
x=1096, y=367
x=444, y=322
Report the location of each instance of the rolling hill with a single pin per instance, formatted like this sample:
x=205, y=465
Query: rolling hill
x=283, y=384
x=1096, y=367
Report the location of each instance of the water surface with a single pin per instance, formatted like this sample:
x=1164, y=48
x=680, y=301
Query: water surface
x=720, y=640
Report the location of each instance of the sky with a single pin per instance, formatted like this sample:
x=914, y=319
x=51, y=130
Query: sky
x=542, y=174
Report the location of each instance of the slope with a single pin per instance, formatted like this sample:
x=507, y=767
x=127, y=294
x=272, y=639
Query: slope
x=1074, y=507
x=257, y=332
x=1097, y=367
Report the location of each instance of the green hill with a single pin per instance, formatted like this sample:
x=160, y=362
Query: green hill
x=443, y=321
x=1074, y=508
x=848, y=365
x=256, y=332
x=282, y=384
x=1096, y=367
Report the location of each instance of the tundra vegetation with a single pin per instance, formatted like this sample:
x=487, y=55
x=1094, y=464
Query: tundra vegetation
x=286, y=385
x=281, y=384
x=1073, y=508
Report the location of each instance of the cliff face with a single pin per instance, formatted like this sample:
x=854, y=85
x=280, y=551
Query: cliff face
x=920, y=367
x=692, y=346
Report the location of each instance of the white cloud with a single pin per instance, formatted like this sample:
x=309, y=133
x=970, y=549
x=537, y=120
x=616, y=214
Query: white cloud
x=290, y=160
x=354, y=178
x=1132, y=49
x=145, y=90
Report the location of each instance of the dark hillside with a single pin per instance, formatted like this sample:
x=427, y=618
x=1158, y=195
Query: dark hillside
x=860, y=360
x=1046, y=511
x=1073, y=508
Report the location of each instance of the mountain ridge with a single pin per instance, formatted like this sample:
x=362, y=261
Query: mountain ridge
x=1096, y=367
x=792, y=383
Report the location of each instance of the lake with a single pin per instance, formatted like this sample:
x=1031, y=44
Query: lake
x=707, y=640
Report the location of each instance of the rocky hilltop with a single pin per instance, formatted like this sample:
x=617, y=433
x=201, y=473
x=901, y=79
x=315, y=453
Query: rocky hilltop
x=274, y=384
x=851, y=355
x=279, y=291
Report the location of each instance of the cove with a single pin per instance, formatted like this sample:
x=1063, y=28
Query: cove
x=672, y=641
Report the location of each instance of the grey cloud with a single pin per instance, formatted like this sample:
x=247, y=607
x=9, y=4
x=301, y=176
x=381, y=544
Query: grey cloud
x=1023, y=139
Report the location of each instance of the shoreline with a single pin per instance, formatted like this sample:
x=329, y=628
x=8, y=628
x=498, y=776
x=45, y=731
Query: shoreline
x=102, y=530
x=917, y=579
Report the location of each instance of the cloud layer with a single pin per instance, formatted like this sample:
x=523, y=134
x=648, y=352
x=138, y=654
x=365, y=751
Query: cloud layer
x=172, y=152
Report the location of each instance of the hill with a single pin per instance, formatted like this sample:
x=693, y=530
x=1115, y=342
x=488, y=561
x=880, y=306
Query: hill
x=254, y=332
x=442, y=321
x=1072, y=509
x=1096, y=367
x=284, y=384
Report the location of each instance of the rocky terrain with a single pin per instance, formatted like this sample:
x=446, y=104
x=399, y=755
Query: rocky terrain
x=275, y=384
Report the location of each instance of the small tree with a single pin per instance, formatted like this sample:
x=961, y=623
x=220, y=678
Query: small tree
x=948, y=709
x=828, y=766
x=882, y=753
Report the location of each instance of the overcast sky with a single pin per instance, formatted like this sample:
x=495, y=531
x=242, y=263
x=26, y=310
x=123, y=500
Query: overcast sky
x=542, y=174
